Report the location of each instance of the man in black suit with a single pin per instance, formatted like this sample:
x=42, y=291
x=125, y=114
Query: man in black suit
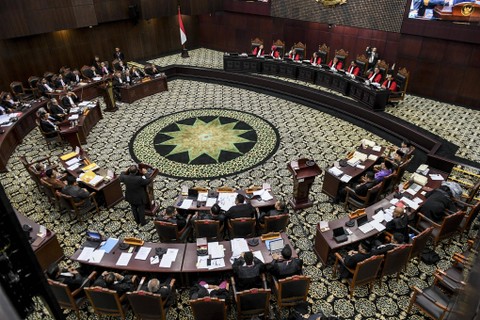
x=241, y=209
x=136, y=73
x=57, y=111
x=60, y=83
x=171, y=215
x=354, y=257
x=78, y=194
x=151, y=70
x=69, y=101
x=73, y=77
x=135, y=193
x=71, y=277
x=438, y=200
x=44, y=87
x=247, y=270
x=48, y=126
x=361, y=189
x=91, y=73
x=115, y=281
x=285, y=266
x=118, y=55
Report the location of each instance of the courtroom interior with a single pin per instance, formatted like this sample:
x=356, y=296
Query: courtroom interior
x=233, y=159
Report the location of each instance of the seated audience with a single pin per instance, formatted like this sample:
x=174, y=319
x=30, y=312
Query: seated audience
x=73, y=77
x=216, y=213
x=285, y=266
x=57, y=111
x=389, y=83
x=241, y=209
x=335, y=64
x=375, y=76
x=97, y=63
x=354, y=257
x=316, y=59
x=397, y=240
x=40, y=170
x=385, y=169
x=104, y=71
x=60, y=83
x=9, y=104
x=48, y=126
x=120, y=66
x=69, y=101
x=71, y=277
x=438, y=200
x=136, y=73
x=162, y=288
x=399, y=223
x=126, y=77
x=116, y=282
x=72, y=189
x=258, y=51
x=151, y=70
x=247, y=271
x=91, y=73
x=294, y=55
x=280, y=208
x=204, y=289
x=171, y=215
x=53, y=178
x=367, y=181
x=353, y=69
x=44, y=87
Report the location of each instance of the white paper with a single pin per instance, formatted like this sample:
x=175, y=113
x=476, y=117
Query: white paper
x=226, y=200
x=323, y=225
x=345, y=178
x=377, y=148
x=412, y=204
x=239, y=245
x=372, y=157
x=394, y=201
x=143, y=253
x=259, y=255
x=97, y=256
x=436, y=177
x=377, y=225
x=96, y=180
x=86, y=254
x=124, y=259
x=215, y=250
x=186, y=203
x=335, y=171
x=210, y=202
x=73, y=117
x=360, y=166
x=366, y=228
x=168, y=258
x=74, y=166
x=379, y=216
x=202, y=196
x=388, y=217
x=154, y=260
x=216, y=263
x=202, y=262
x=72, y=161
x=266, y=196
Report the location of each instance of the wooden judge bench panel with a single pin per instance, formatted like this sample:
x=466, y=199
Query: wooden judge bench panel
x=132, y=93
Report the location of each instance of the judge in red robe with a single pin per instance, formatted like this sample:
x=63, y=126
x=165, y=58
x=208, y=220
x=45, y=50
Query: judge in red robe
x=353, y=69
x=316, y=59
x=389, y=83
x=375, y=75
x=258, y=51
x=336, y=64
x=274, y=52
x=294, y=55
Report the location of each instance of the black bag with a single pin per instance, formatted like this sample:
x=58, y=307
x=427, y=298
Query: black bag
x=429, y=256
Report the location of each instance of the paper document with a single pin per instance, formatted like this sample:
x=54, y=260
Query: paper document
x=215, y=250
x=124, y=259
x=436, y=177
x=412, y=204
x=377, y=225
x=202, y=196
x=86, y=254
x=259, y=255
x=143, y=253
x=345, y=178
x=73, y=117
x=97, y=256
x=335, y=171
x=360, y=166
x=366, y=228
x=239, y=245
x=377, y=148
x=226, y=200
x=379, y=216
x=186, y=203
x=74, y=166
x=168, y=258
x=372, y=157
x=109, y=244
x=216, y=263
x=210, y=202
x=72, y=161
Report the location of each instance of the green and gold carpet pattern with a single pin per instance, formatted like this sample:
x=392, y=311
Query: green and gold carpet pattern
x=205, y=143
x=303, y=132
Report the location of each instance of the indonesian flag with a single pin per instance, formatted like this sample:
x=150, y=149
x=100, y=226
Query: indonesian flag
x=183, y=35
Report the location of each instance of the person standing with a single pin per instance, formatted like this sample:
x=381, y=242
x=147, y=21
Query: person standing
x=135, y=193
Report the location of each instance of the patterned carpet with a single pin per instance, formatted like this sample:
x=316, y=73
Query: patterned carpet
x=303, y=132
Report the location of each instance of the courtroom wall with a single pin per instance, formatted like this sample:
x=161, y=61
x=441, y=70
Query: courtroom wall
x=385, y=15
x=23, y=57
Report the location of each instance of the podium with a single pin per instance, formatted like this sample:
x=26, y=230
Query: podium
x=151, y=207
x=107, y=93
x=304, y=172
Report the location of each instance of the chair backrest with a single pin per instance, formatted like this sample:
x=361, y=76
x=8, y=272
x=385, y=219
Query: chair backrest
x=105, y=301
x=49, y=191
x=401, y=171
x=472, y=192
x=167, y=231
x=323, y=51
x=241, y=227
x=301, y=49
x=254, y=43
x=32, y=172
x=472, y=215
x=209, y=309
x=396, y=260
x=450, y=225
x=362, y=63
x=373, y=193
x=387, y=184
x=32, y=81
x=147, y=305
x=280, y=47
x=66, y=201
x=341, y=55
x=276, y=223
x=63, y=294
x=16, y=88
x=419, y=242
x=82, y=71
x=209, y=229
x=293, y=290
x=253, y=302
x=401, y=78
x=48, y=75
x=367, y=270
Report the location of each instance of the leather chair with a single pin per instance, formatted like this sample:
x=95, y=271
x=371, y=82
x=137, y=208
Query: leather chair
x=280, y=47
x=401, y=171
x=253, y=302
x=342, y=55
x=107, y=302
x=419, y=242
x=241, y=228
x=291, y=291
x=168, y=232
x=32, y=82
x=68, y=299
x=30, y=167
x=49, y=76
x=20, y=92
x=323, y=51
x=276, y=223
x=449, y=225
x=147, y=305
x=208, y=308
x=51, y=194
x=470, y=216
x=209, y=229
x=301, y=49
x=255, y=43
x=362, y=63
x=357, y=201
x=395, y=261
x=51, y=138
x=472, y=193
x=401, y=78
x=387, y=185
x=84, y=73
x=364, y=273
x=80, y=208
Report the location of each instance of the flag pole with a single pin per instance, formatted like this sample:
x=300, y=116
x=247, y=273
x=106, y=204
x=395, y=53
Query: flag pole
x=183, y=35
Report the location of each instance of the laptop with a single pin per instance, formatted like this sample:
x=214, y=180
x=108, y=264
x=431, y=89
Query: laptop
x=192, y=194
x=362, y=220
x=94, y=239
x=276, y=246
x=340, y=235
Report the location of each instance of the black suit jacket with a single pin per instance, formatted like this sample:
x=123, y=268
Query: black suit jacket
x=244, y=210
x=48, y=127
x=248, y=277
x=118, y=56
x=135, y=188
x=281, y=269
x=88, y=73
x=436, y=203
x=116, y=82
x=57, y=110
x=71, y=78
x=66, y=102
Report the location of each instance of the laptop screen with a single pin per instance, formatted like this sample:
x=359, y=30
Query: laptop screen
x=362, y=220
x=338, y=231
x=192, y=193
x=94, y=235
x=276, y=245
